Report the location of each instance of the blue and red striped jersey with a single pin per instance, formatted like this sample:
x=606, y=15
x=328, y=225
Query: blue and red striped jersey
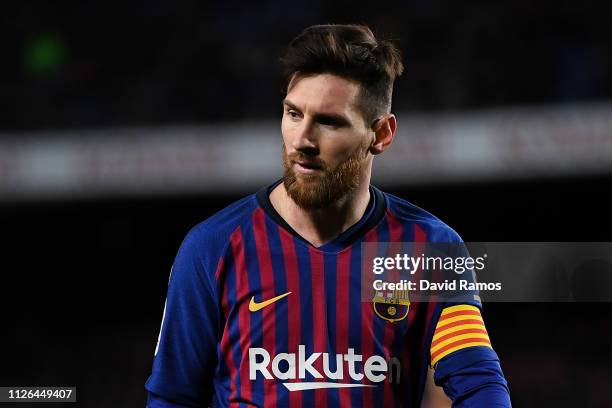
x=257, y=316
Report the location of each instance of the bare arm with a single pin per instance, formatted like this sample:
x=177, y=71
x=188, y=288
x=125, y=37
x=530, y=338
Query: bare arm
x=434, y=396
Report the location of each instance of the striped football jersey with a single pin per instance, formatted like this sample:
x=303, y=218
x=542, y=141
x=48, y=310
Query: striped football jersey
x=257, y=316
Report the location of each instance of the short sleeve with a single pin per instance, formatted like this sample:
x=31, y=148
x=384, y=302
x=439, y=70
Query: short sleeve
x=186, y=354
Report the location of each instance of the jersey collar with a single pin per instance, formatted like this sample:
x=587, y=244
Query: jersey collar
x=373, y=214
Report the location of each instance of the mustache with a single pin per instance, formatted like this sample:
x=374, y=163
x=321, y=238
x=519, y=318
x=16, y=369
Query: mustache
x=305, y=159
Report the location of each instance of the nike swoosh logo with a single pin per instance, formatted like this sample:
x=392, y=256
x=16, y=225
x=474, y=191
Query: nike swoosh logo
x=254, y=306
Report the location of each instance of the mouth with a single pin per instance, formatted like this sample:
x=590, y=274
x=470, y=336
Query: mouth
x=307, y=167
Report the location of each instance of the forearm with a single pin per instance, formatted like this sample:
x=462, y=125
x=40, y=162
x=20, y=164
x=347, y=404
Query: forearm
x=473, y=378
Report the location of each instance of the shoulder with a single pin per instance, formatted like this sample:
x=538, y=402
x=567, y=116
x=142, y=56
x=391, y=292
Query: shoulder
x=207, y=241
x=194, y=275
x=434, y=228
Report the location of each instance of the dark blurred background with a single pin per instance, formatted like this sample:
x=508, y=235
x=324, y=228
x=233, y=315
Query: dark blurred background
x=86, y=265
x=89, y=64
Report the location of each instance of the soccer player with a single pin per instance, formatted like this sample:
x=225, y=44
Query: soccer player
x=264, y=303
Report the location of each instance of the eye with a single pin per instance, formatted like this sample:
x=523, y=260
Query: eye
x=329, y=122
x=293, y=114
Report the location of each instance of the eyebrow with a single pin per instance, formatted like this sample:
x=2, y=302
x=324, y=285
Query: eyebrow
x=322, y=117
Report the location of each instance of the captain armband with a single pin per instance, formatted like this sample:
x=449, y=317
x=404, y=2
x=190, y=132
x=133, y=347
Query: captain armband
x=459, y=327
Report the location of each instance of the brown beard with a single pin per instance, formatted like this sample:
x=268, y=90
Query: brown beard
x=319, y=190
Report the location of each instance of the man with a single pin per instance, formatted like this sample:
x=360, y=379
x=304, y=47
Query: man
x=264, y=303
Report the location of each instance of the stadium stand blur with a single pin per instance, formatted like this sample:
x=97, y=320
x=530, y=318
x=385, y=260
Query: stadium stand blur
x=122, y=125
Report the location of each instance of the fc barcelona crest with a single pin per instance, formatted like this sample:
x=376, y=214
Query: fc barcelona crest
x=392, y=306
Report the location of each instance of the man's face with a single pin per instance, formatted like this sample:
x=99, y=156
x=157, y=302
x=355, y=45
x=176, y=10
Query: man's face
x=326, y=140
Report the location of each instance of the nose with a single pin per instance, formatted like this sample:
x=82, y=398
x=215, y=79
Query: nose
x=305, y=139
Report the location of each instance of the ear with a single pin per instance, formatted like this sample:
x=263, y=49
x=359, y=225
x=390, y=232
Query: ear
x=384, y=132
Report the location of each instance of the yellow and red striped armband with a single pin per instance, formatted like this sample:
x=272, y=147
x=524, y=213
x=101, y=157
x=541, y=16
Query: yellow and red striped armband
x=459, y=327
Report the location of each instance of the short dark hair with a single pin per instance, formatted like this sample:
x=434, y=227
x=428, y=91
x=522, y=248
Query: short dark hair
x=350, y=51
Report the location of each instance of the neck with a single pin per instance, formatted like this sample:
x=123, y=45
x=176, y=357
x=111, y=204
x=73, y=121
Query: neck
x=324, y=224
